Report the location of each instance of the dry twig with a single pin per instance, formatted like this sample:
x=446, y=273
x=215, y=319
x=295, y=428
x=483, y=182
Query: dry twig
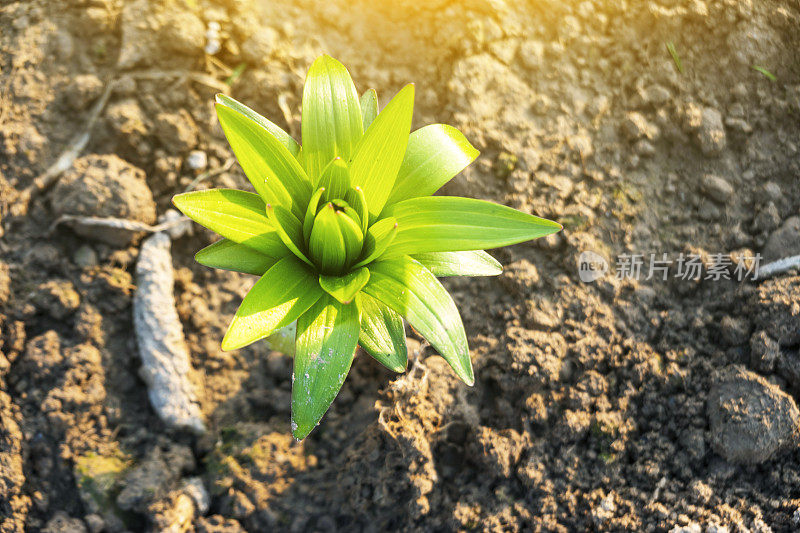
x=780, y=266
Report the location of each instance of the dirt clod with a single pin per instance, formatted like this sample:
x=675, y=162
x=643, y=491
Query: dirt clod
x=777, y=305
x=58, y=298
x=104, y=186
x=83, y=90
x=152, y=478
x=751, y=419
x=784, y=242
x=259, y=47
x=735, y=331
x=177, y=131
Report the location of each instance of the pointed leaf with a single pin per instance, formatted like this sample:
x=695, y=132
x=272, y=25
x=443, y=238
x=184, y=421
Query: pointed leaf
x=471, y=263
x=410, y=289
x=452, y=224
x=331, y=116
x=350, y=225
x=228, y=255
x=379, y=154
x=289, y=229
x=326, y=341
x=275, y=130
x=335, y=179
x=355, y=198
x=311, y=213
x=379, y=236
x=369, y=107
x=272, y=169
x=279, y=297
x=344, y=288
x=382, y=334
x=435, y=154
x=237, y=215
x=343, y=206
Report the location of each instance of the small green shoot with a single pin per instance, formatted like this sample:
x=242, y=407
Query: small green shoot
x=769, y=75
x=236, y=74
x=345, y=235
x=675, y=57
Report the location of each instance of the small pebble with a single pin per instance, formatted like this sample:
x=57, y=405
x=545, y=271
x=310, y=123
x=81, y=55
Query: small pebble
x=764, y=351
x=85, y=256
x=196, y=490
x=636, y=127
x=771, y=191
x=178, y=230
x=197, y=160
x=212, y=47
x=656, y=95
x=711, y=134
x=717, y=188
x=768, y=218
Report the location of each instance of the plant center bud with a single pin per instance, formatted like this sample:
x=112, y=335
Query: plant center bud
x=336, y=238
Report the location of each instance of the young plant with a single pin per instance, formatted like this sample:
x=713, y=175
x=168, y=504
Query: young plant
x=345, y=235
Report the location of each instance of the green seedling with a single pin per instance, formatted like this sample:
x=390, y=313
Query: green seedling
x=235, y=74
x=675, y=57
x=769, y=75
x=346, y=236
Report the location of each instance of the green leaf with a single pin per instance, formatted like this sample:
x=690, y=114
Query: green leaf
x=275, y=130
x=379, y=236
x=369, y=107
x=335, y=179
x=471, y=263
x=382, y=334
x=236, y=215
x=289, y=229
x=410, y=289
x=279, y=297
x=379, y=155
x=434, y=155
x=331, y=115
x=311, y=213
x=350, y=227
x=355, y=198
x=272, y=169
x=228, y=255
x=344, y=288
x=326, y=341
x=452, y=224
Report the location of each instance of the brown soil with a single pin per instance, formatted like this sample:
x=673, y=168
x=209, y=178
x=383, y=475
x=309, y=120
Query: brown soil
x=597, y=406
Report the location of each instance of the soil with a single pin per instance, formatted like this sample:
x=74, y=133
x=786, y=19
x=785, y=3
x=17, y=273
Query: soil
x=622, y=404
